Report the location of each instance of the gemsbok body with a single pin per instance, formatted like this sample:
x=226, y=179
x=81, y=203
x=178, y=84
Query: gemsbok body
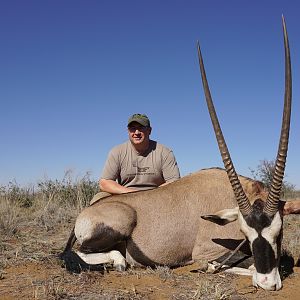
x=164, y=226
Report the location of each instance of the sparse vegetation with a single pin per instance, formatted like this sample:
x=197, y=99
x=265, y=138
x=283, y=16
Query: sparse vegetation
x=50, y=203
x=35, y=223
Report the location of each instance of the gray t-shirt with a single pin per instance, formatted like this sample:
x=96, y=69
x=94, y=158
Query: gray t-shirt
x=141, y=171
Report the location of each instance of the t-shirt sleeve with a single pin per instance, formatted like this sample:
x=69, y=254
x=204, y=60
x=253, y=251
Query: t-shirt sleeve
x=111, y=169
x=170, y=168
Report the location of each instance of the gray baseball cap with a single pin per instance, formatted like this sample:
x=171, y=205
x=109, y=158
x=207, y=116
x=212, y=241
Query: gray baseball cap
x=139, y=118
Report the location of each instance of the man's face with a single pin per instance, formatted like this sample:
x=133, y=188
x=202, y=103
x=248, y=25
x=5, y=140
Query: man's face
x=138, y=134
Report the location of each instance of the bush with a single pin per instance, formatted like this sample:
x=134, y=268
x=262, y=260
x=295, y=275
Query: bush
x=14, y=193
x=264, y=172
x=69, y=191
x=50, y=203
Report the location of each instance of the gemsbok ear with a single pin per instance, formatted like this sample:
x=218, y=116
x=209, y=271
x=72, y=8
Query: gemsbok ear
x=223, y=217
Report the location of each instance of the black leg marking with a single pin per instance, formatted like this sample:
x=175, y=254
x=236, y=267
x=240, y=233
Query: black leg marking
x=104, y=239
x=65, y=256
x=74, y=264
x=71, y=241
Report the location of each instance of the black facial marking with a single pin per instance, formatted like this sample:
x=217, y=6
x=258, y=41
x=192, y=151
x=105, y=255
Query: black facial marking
x=258, y=219
x=264, y=255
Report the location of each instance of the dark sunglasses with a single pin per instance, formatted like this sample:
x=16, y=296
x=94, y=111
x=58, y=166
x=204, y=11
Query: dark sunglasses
x=138, y=127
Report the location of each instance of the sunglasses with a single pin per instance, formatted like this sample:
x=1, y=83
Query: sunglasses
x=138, y=127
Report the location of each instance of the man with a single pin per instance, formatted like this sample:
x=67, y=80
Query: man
x=138, y=164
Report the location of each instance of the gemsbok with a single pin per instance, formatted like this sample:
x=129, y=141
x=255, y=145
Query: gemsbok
x=164, y=226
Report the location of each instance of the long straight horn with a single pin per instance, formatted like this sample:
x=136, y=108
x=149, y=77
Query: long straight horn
x=242, y=200
x=271, y=206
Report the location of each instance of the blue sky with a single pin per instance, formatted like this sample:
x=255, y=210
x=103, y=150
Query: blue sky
x=72, y=72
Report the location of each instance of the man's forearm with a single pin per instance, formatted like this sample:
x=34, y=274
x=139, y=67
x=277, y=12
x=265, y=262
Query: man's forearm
x=112, y=187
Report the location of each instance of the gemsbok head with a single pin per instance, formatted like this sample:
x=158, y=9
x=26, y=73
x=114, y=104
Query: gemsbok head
x=261, y=222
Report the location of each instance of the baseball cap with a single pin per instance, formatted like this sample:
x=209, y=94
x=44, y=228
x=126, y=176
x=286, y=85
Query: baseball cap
x=139, y=118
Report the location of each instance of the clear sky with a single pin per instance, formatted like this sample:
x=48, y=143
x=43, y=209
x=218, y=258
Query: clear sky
x=72, y=72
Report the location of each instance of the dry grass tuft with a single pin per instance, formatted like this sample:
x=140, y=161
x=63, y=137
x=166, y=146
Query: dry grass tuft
x=9, y=215
x=216, y=290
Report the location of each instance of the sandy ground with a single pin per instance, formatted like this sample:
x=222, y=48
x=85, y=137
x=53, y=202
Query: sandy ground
x=48, y=280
